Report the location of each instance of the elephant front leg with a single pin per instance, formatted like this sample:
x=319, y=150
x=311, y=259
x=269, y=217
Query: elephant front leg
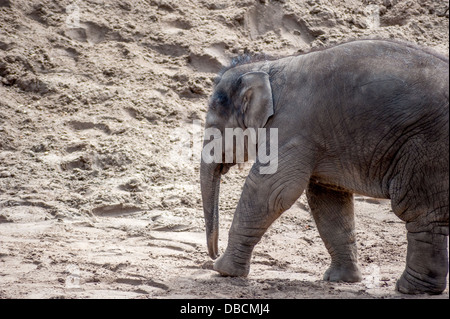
x=263, y=200
x=334, y=216
x=251, y=220
x=249, y=225
x=235, y=262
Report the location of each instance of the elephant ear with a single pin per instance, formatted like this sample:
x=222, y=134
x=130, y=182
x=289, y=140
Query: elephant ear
x=256, y=99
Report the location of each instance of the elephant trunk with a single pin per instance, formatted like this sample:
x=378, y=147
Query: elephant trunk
x=210, y=186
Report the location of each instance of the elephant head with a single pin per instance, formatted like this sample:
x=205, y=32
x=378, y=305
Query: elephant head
x=240, y=100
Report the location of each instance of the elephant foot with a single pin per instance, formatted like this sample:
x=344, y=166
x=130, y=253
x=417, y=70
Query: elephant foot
x=227, y=267
x=413, y=285
x=343, y=273
x=426, y=264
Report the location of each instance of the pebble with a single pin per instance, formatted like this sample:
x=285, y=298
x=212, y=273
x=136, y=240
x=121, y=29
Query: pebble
x=6, y=174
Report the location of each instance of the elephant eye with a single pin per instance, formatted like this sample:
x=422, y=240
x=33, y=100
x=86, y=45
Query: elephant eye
x=222, y=99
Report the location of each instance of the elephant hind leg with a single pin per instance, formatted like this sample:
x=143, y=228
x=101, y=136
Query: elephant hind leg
x=426, y=264
x=427, y=255
x=424, y=208
x=334, y=216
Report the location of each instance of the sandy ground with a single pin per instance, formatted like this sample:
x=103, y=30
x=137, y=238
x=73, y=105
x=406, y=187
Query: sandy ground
x=101, y=103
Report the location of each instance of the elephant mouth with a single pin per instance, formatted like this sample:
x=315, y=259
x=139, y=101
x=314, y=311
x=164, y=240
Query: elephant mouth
x=224, y=168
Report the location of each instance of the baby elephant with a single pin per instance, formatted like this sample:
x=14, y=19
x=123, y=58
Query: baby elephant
x=368, y=117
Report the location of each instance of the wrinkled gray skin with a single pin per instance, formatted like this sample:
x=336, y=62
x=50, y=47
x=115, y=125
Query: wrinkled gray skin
x=368, y=117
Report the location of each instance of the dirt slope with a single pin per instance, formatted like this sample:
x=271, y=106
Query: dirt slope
x=99, y=189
